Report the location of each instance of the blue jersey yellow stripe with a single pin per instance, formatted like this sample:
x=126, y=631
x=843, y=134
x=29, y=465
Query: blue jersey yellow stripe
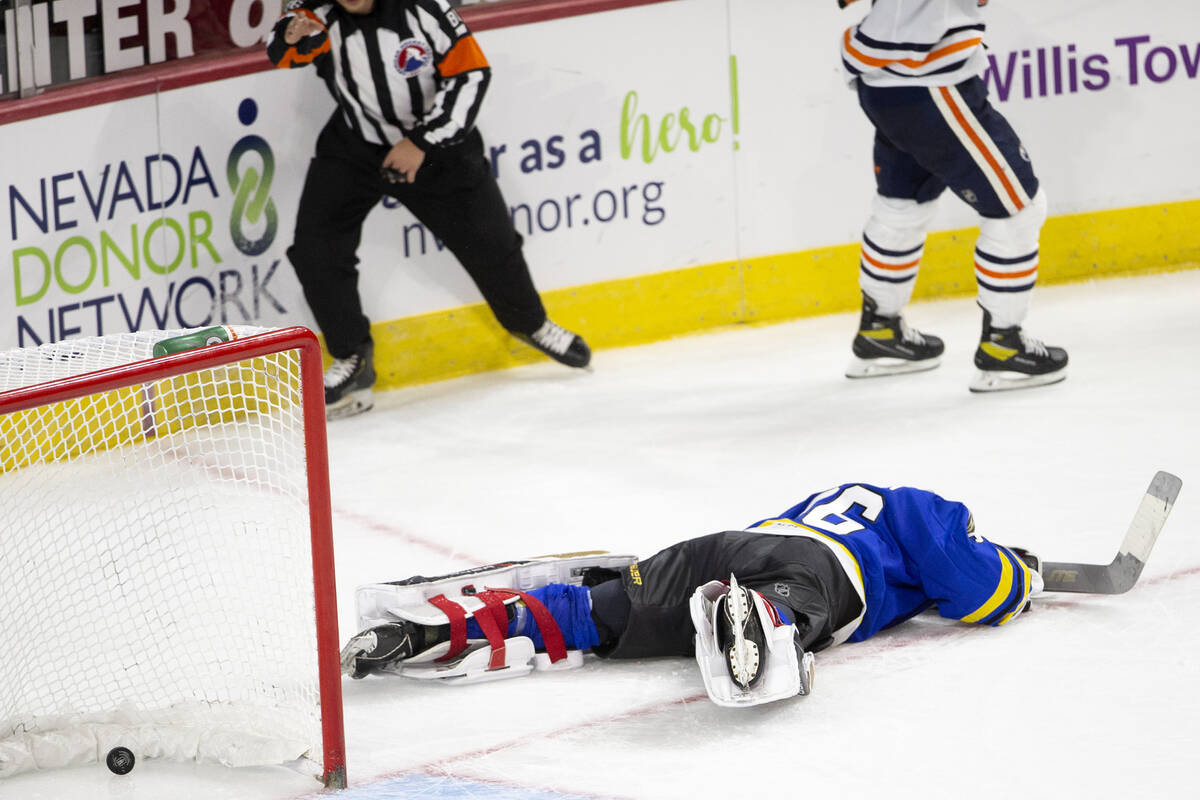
x=911, y=550
x=1003, y=590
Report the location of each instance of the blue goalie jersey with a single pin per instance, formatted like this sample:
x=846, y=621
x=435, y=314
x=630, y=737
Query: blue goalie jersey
x=906, y=550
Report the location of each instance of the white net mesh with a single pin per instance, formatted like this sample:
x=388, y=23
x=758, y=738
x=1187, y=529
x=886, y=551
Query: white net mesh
x=156, y=585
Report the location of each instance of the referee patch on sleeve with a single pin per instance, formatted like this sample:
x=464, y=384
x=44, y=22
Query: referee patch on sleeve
x=464, y=56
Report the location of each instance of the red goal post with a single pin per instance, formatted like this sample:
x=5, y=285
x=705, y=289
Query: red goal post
x=159, y=514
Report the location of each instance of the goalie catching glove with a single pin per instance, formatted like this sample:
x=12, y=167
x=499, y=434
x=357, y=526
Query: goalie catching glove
x=747, y=652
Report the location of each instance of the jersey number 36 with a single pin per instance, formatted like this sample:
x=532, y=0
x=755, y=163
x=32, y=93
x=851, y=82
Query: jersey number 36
x=830, y=515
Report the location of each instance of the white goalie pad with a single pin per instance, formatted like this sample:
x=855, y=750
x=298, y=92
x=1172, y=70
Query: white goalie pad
x=784, y=670
x=476, y=666
x=379, y=603
x=376, y=602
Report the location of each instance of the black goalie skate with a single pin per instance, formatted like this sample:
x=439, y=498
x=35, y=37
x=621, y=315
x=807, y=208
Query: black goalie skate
x=740, y=635
x=376, y=649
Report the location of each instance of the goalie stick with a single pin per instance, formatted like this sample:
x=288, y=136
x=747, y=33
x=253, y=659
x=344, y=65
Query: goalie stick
x=1123, y=572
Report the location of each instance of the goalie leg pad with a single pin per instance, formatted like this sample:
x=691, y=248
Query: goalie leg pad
x=498, y=655
x=375, y=600
x=468, y=644
x=475, y=611
x=747, y=654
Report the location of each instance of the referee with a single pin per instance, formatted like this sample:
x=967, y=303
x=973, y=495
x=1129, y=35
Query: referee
x=409, y=79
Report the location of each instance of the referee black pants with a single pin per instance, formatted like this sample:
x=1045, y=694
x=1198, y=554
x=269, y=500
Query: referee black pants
x=454, y=196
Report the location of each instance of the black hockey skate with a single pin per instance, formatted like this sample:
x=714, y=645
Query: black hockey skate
x=887, y=346
x=559, y=343
x=740, y=635
x=349, y=383
x=383, y=647
x=1008, y=359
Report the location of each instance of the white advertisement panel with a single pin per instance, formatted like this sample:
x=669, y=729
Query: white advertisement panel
x=1104, y=94
x=161, y=211
x=610, y=137
x=628, y=142
x=1107, y=95
x=84, y=210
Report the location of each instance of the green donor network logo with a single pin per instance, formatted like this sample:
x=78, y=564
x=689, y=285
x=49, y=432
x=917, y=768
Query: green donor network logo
x=252, y=190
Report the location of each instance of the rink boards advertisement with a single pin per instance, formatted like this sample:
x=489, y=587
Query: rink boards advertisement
x=670, y=167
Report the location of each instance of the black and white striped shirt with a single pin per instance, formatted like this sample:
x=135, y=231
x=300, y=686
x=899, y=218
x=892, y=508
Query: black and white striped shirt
x=408, y=69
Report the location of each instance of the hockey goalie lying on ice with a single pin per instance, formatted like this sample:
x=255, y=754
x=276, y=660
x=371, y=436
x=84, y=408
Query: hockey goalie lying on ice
x=752, y=606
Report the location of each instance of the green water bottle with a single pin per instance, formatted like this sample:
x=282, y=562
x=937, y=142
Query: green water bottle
x=194, y=340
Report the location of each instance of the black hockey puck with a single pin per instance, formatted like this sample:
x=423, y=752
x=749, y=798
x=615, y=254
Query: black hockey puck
x=120, y=760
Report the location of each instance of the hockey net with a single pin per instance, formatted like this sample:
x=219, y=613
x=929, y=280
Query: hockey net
x=166, y=569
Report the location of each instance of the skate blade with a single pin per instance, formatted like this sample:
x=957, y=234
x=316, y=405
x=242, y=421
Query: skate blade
x=881, y=367
x=351, y=405
x=742, y=654
x=996, y=381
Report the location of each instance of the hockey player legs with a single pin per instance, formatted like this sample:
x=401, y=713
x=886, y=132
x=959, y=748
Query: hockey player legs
x=916, y=71
x=892, y=243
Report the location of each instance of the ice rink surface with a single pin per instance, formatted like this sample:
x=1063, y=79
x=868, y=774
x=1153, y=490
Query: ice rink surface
x=1084, y=697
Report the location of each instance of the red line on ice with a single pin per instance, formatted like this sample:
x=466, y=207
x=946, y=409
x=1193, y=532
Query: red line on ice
x=377, y=526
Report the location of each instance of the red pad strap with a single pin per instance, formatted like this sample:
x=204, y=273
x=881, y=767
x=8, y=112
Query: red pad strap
x=493, y=621
x=458, y=625
x=556, y=648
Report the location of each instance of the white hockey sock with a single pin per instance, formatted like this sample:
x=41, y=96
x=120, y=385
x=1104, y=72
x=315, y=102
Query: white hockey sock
x=892, y=244
x=1006, y=262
